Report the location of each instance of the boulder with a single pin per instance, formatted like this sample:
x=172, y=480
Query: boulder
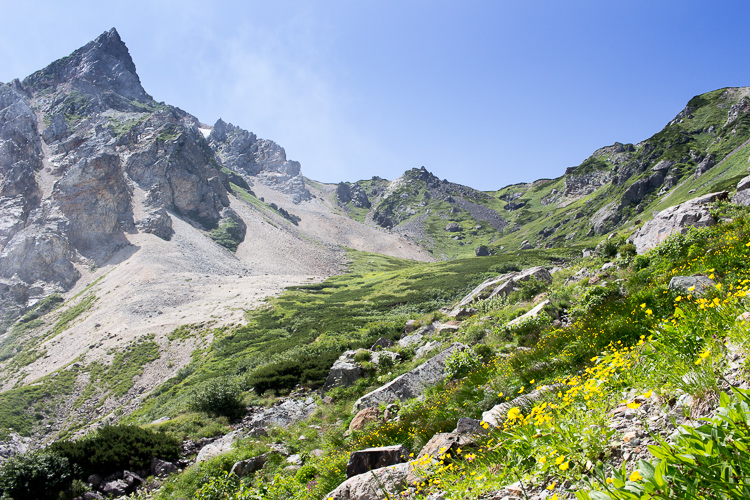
x=378, y=484
x=699, y=284
x=482, y=251
x=282, y=414
x=426, y=349
x=496, y=415
x=246, y=467
x=469, y=426
x=221, y=445
x=444, y=446
x=157, y=222
x=362, y=461
x=676, y=219
x=410, y=384
x=744, y=184
x=742, y=198
x=484, y=289
x=161, y=467
x=536, y=311
x=363, y=418
x=344, y=372
x=381, y=343
x=412, y=339
x=462, y=312
x=116, y=488
x=92, y=495
x=132, y=479
x=453, y=227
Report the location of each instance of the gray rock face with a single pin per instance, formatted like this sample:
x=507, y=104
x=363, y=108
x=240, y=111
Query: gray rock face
x=93, y=197
x=115, y=488
x=704, y=166
x=742, y=196
x=161, y=467
x=248, y=466
x=282, y=414
x=221, y=445
x=498, y=413
x=68, y=194
x=344, y=372
x=15, y=445
x=257, y=159
x=677, y=219
x=410, y=384
x=503, y=285
x=695, y=285
x=583, y=184
x=362, y=461
x=379, y=484
x=353, y=193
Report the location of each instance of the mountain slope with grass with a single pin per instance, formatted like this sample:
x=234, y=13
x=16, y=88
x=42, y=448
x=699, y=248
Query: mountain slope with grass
x=704, y=149
x=185, y=280
x=630, y=383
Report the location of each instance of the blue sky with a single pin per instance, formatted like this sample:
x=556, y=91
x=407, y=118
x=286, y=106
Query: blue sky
x=484, y=93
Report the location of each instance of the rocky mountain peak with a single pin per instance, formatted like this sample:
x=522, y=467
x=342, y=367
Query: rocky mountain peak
x=101, y=66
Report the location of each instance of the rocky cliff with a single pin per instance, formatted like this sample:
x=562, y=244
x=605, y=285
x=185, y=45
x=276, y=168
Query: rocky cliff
x=86, y=156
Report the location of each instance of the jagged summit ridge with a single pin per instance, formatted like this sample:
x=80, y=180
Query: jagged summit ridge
x=103, y=65
x=261, y=159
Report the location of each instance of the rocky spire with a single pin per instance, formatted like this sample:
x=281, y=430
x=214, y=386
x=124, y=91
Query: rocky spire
x=103, y=65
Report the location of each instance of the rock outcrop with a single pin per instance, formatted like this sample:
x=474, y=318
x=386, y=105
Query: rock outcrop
x=410, y=384
x=257, y=159
x=88, y=157
x=677, y=219
x=362, y=461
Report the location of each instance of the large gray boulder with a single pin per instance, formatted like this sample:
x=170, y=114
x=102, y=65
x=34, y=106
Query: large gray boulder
x=496, y=415
x=695, y=285
x=536, y=311
x=742, y=196
x=344, y=372
x=248, y=466
x=362, y=461
x=676, y=219
x=503, y=285
x=378, y=484
x=410, y=384
x=282, y=414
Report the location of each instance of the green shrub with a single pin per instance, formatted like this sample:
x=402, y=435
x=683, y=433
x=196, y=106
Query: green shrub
x=284, y=375
x=229, y=234
x=218, y=397
x=116, y=448
x=460, y=363
x=362, y=355
x=35, y=475
x=484, y=351
x=627, y=250
x=306, y=473
x=531, y=288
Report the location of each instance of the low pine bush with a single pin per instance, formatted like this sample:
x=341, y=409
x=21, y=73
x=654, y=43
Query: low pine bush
x=116, y=448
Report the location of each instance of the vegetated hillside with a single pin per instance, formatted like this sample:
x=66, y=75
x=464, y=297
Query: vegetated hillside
x=122, y=219
x=702, y=150
x=630, y=343
x=616, y=354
